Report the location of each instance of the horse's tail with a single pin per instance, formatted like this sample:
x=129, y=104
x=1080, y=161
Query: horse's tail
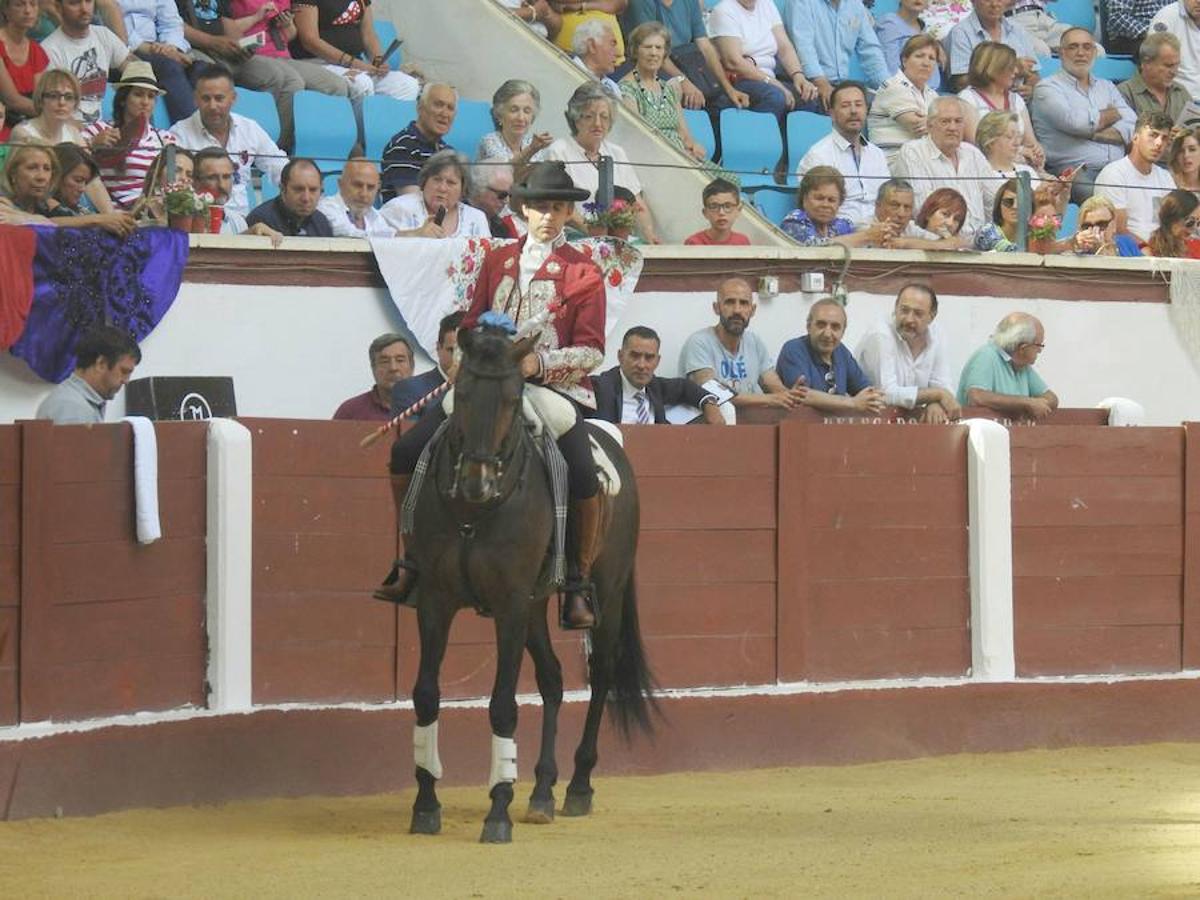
x=632, y=694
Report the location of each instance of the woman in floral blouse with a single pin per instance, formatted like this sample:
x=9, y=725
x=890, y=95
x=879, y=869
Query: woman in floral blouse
x=816, y=222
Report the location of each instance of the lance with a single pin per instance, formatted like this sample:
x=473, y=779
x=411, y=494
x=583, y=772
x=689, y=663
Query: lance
x=404, y=414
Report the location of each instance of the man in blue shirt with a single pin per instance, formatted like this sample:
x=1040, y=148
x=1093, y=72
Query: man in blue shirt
x=827, y=35
x=820, y=362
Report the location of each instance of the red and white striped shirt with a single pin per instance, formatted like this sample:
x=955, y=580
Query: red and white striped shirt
x=125, y=181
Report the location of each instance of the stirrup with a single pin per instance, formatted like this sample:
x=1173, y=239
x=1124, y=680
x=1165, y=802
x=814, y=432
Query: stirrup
x=585, y=591
x=390, y=592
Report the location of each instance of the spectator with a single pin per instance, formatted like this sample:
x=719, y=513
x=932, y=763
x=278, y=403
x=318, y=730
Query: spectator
x=1184, y=160
x=105, y=358
x=1153, y=87
x=55, y=102
x=821, y=366
x=693, y=56
x=734, y=357
x=590, y=113
x=1182, y=19
x=77, y=173
x=990, y=78
x=1178, y=223
x=391, y=360
x=1000, y=374
x=721, y=204
x=491, y=187
x=30, y=172
x=1043, y=29
x=542, y=18
x=215, y=174
x=943, y=159
x=1097, y=234
x=827, y=34
x=87, y=51
x=515, y=106
x=906, y=356
x=579, y=13
x=437, y=210
x=342, y=37
x=1128, y=21
x=816, y=222
x=943, y=213
x=408, y=391
x=23, y=61
x=294, y=212
x=656, y=101
x=409, y=149
x=893, y=227
x=351, y=211
x=630, y=393
x=1079, y=119
x=997, y=136
x=155, y=31
x=898, y=113
x=1000, y=235
x=1134, y=183
x=215, y=124
x=214, y=28
x=595, y=47
x=987, y=23
x=894, y=30
x=126, y=149
x=863, y=165
x=108, y=12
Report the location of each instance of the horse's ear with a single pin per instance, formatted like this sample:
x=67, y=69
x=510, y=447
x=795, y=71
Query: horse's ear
x=465, y=337
x=521, y=348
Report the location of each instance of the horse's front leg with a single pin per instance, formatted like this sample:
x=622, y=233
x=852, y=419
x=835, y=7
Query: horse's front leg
x=550, y=686
x=433, y=620
x=511, y=628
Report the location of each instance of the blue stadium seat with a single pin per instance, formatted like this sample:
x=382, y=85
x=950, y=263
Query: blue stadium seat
x=267, y=189
x=1075, y=12
x=386, y=32
x=259, y=106
x=804, y=129
x=106, y=103
x=1115, y=68
x=700, y=125
x=883, y=7
x=774, y=202
x=384, y=116
x=330, y=184
x=472, y=121
x=1070, y=217
x=751, y=143
x=325, y=127
x=159, y=118
x=1048, y=65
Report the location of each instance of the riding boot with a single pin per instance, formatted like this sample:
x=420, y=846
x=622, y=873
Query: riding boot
x=398, y=585
x=579, y=610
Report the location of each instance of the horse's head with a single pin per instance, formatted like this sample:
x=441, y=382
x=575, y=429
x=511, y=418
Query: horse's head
x=487, y=400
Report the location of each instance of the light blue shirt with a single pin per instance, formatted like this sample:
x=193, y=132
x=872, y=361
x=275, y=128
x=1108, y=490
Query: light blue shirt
x=968, y=34
x=147, y=21
x=1065, y=115
x=892, y=32
x=825, y=36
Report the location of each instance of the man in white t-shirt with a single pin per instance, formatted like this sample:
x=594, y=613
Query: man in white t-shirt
x=1133, y=183
x=1182, y=19
x=754, y=49
x=87, y=51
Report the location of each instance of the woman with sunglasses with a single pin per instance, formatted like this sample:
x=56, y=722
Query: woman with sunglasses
x=1000, y=235
x=1178, y=224
x=1097, y=234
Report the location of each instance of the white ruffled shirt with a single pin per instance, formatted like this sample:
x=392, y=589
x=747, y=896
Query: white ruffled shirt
x=534, y=255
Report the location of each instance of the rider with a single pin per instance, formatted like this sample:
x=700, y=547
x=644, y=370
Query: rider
x=521, y=280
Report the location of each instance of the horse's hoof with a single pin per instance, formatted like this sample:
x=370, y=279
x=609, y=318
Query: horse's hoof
x=540, y=812
x=496, y=832
x=426, y=821
x=577, y=804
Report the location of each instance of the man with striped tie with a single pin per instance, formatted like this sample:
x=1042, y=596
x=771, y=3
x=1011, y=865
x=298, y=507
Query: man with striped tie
x=631, y=393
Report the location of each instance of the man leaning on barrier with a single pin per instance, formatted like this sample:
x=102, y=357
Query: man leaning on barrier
x=1000, y=374
x=821, y=365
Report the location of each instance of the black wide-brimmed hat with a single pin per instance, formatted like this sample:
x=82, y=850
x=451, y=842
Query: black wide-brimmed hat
x=548, y=181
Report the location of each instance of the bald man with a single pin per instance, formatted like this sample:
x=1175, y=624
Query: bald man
x=1000, y=374
x=351, y=211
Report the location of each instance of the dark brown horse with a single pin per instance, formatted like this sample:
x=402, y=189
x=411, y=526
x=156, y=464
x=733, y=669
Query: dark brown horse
x=485, y=526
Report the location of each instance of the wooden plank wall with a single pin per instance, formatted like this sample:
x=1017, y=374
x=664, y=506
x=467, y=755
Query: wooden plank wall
x=1097, y=549
x=873, y=568
x=109, y=625
x=324, y=533
x=10, y=570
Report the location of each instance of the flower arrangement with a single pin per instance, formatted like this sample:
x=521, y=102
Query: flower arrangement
x=183, y=200
x=619, y=216
x=1043, y=227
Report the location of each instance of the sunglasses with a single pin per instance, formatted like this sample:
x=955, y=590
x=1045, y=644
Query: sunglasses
x=1009, y=202
x=502, y=196
x=1192, y=223
x=830, y=382
x=1103, y=223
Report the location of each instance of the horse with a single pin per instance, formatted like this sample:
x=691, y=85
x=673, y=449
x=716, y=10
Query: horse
x=486, y=518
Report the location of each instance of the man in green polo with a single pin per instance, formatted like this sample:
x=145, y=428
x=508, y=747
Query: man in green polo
x=1000, y=374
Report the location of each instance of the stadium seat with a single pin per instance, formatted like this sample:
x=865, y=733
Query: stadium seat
x=1070, y=217
x=384, y=116
x=329, y=186
x=472, y=121
x=325, y=127
x=106, y=103
x=1115, y=68
x=700, y=125
x=1048, y=65
x=259, y=106
x=751, y=144
x=1075, y=12
x=159, y=118
x=883, y=8
x=804, y=129
x=774, y=202
x=386, y=32
x=267, y=189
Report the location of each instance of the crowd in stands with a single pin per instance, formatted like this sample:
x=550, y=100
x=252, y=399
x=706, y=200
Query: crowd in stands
x=960, y=106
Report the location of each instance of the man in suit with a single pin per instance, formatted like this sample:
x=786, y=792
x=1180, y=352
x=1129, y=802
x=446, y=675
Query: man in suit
x=631, y=392
x=408, y=391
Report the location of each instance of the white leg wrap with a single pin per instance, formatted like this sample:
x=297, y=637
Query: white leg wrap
x=425, y=749
x=504, y=761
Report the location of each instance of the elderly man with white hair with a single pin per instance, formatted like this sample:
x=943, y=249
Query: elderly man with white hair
x=490, y=188
x=595, y=47
x=409, y=149
x=1000, y=375
x=943, y=159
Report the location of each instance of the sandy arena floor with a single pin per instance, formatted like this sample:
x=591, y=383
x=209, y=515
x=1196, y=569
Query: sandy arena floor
x=1118, y=822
